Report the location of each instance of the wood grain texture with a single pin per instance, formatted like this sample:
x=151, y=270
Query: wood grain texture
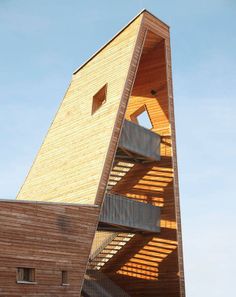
x=70, y=163
x=152, y=265
x=48, y=237
x=175, y=170
x=75, y=161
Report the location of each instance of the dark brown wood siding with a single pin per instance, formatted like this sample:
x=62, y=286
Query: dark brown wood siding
x=48, y=237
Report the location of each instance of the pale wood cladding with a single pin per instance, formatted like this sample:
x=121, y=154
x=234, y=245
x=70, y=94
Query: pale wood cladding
x=152, y=266
x=74, y=162
x=48, y=237
x=70, y=164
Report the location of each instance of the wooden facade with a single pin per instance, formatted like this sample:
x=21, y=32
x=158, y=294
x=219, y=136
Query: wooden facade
x=80, y=161
x=152, y=265
x=74, y=151
x=49, y=238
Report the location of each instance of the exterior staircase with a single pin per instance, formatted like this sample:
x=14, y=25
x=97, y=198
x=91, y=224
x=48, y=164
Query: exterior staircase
x=121, y=218
x=108, y=249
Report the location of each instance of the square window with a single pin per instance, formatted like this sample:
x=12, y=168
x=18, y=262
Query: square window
x=99, y=98
x=25, y=275
x=64, y=277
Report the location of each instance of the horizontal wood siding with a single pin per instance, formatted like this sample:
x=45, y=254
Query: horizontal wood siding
x=49, y=238
x=70, y=163
x=152, y=265
x=75, y=161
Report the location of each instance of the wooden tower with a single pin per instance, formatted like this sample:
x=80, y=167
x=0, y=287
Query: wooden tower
x=112, y=147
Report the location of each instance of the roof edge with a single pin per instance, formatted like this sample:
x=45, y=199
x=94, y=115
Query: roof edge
x=118, y=33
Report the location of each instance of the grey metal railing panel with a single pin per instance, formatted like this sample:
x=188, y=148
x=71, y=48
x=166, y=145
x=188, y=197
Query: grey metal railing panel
x=121, y=211
x=140, y=140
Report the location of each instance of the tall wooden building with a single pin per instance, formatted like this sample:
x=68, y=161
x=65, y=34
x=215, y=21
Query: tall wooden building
x=98, y=214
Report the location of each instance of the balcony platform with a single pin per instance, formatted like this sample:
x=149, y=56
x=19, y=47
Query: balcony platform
x=121, y=213
x=138, y=143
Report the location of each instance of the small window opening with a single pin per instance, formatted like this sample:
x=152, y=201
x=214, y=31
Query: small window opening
x=99, y=98
x=25, y=275
x=64, y=277
x=141, y=117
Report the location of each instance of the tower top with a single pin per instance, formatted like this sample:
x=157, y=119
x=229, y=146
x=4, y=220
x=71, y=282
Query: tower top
x=141, y=13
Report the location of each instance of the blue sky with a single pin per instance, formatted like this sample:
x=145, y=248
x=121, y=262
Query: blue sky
x=42, y=42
